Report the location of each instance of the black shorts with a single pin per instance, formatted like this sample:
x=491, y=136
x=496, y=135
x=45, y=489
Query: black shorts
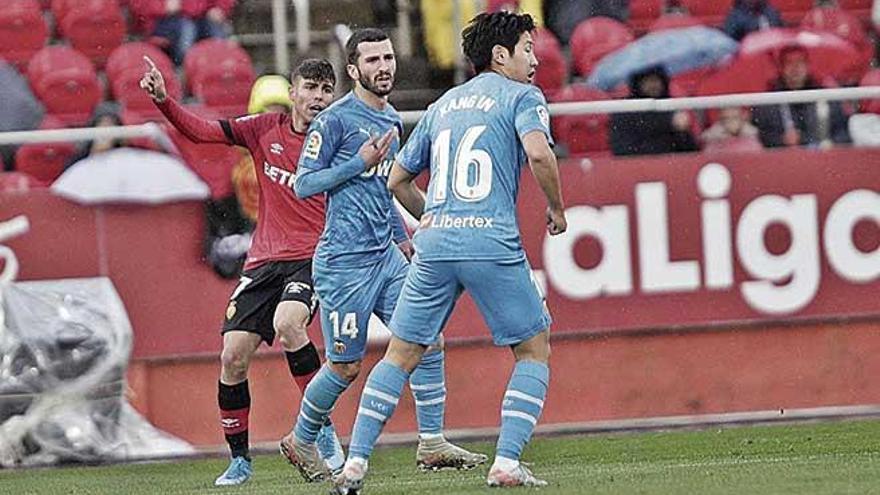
x=252, y=304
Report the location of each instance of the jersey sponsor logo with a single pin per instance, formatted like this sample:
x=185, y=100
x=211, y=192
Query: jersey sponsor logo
x=543, y=116
x=455, y=222
x=383, y=169
x=231, y=310
x=313, y=145
x=276, y=148
x=278, y=175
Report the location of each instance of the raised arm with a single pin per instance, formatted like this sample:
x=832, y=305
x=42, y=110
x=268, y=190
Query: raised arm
x=197, y=129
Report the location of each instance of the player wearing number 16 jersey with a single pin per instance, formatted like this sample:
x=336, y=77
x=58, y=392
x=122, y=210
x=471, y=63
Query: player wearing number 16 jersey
x=475, y=140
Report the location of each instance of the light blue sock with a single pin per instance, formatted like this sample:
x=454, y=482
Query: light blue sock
x=317, y=402
x=380, y=396
x=429, y=391
x=522, y=407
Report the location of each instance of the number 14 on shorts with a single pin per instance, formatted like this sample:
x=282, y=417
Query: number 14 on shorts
x=348, y=327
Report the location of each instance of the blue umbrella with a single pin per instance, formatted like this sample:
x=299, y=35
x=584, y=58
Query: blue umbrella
x=677, y=50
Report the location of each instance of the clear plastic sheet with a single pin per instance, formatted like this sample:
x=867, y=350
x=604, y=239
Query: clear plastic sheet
x=64, y=351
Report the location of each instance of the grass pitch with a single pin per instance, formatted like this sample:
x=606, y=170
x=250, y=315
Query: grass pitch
x=826, y=458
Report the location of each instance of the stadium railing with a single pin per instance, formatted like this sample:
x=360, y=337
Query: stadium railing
x=698, y=102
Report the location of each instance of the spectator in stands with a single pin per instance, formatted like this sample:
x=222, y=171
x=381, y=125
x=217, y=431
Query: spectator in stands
x=732, y=132
x=748, y=16
x=647, y=133
x=106, y=115
x=19, y=110
x=799, y=124
x=563, y=16
x=183, y=22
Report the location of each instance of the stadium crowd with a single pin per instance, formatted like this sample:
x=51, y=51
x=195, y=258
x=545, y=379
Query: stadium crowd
x=68, y=64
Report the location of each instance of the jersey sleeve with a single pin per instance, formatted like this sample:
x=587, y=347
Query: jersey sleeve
x=532, y=114
x=316, y=171
x=246, y=130
x=415, y=155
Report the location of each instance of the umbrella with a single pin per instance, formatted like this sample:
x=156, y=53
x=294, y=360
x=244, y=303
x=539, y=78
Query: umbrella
x=677, y=50
x=127, y=175
x=755, y=66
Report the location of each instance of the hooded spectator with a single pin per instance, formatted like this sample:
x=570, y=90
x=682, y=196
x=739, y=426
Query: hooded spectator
x=648, y=133
x=799, y=124
x=748, y=16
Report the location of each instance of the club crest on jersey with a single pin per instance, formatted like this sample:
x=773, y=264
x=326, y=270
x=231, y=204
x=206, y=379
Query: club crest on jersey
x=338, y=347
x=313, y=145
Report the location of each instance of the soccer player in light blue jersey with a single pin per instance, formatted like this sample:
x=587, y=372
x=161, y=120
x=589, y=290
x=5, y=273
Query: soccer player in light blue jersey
x=475, y=139
x=360, y=264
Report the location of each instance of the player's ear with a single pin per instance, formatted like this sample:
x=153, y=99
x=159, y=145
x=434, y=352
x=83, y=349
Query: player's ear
x=500, y=55
x=353, y=72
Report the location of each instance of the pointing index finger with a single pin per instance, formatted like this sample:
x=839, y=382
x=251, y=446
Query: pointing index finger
x=150, y=63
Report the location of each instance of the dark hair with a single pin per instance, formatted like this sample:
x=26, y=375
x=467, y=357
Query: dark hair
x=791, y=50
x=366, y=35
x=316, y=69
x=487, y=30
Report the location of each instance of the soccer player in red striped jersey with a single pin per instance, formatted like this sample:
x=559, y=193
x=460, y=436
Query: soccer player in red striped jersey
x=275, y=295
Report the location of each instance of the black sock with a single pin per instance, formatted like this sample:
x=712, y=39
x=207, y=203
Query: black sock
x=303, y=364
x=235, y=405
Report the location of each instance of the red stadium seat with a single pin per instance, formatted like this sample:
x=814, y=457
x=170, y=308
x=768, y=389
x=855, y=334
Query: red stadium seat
x=792, y=10
x=22, y=31
x=45, y=161
x=65, y=81
x=581, y=134
x=859, y=8
x=552, y=71
x=643, y=13
x=675, y=21
x=208, y=54
x=594, y=38
x=711, y=12
x=871, y=79
x=60, y=8
x=95, y=28
x=131, y=55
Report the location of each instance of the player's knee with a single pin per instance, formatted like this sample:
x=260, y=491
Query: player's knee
x=234, y=362
x=290, y=327
x=348, y=371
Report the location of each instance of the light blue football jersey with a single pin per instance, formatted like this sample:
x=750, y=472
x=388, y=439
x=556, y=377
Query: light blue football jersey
x=472, y=140
x=361, y=219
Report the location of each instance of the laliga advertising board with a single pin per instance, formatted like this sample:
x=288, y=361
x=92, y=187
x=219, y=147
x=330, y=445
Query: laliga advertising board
x=697, y=240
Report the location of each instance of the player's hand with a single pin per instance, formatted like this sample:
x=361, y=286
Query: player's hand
x=406, y=247
x=153, y=82
x=374, y=150
x=556, y=223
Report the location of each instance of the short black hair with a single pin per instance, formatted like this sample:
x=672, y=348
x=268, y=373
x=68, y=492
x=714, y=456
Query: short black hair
x=316, y=69
x=487, y=30
x=366, y=35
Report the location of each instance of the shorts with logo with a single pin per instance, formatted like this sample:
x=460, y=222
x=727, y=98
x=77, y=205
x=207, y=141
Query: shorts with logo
x=349, y=295
x=259, y=291
x=505, y=292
